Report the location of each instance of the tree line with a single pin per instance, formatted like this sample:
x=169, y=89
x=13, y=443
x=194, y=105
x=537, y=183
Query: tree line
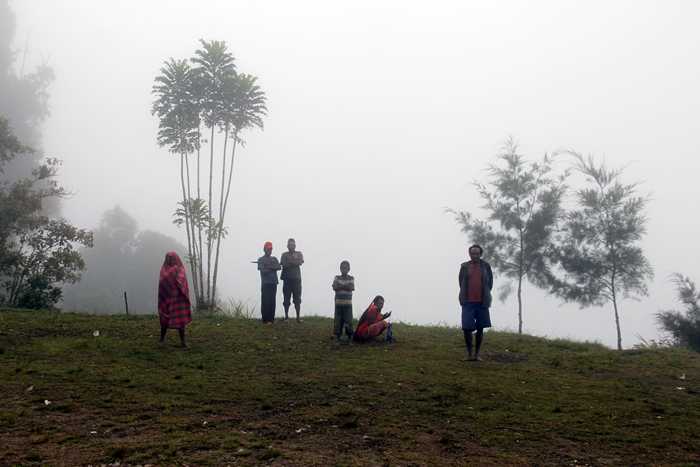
x=37, y=248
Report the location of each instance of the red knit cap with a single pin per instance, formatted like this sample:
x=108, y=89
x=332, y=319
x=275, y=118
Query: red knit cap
x=267, y=245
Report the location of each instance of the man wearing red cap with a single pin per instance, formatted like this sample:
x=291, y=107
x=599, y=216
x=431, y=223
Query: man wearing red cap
x=268, y=267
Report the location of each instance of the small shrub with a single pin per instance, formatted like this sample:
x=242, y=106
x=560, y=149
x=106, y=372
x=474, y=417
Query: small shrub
x=683, y=326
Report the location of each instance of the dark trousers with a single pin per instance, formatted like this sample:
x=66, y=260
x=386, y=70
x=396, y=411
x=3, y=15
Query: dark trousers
x=342, y=320
x=268, y=302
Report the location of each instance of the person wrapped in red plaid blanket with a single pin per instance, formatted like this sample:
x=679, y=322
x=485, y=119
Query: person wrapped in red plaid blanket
x=174, y=307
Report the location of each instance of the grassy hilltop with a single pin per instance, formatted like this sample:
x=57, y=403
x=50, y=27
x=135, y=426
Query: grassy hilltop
x=246, y=394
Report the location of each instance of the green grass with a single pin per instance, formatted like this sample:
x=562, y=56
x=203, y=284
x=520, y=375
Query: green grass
x=248, y=394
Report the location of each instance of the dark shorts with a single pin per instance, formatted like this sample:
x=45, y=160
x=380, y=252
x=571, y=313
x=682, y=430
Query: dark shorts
x=291, y=288
x=475, y=316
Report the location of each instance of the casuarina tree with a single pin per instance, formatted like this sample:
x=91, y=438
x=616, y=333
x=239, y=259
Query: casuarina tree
x=598, y=248
x=684, y=326
x=522, y=200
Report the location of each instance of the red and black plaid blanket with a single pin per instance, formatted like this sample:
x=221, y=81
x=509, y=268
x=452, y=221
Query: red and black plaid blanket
x=174, y=306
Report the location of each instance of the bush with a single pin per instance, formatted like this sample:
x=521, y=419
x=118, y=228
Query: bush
x=683, y=326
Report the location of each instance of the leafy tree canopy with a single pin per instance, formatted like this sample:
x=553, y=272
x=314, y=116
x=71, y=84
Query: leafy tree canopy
x=37, y=252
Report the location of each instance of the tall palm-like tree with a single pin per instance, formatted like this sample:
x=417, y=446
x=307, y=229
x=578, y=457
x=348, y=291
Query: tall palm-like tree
x=198, y=87
x=205, y=91
x=245, y=107
x=175, y=106
x=215, y=67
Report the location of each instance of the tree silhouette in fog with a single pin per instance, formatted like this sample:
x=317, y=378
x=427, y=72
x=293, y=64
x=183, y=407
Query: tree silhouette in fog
x=24, y=100
x=598, y=248
x=37, y=252
x=123, y=259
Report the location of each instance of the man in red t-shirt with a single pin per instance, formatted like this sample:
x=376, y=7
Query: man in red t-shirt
x=475, y=284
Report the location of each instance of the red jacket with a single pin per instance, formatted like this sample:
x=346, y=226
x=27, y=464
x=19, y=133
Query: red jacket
x=369, y=317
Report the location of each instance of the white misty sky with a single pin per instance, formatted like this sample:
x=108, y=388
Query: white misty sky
x=381, y=115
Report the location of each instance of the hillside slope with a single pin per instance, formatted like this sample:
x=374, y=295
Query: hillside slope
x=246, y=394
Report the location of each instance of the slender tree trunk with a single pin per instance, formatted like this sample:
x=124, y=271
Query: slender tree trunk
x=230, y=175
x=185, y=206
x=200, y=299
x=13, y=290
x=17, y=287
x=520, y=284
x=194, y=254
x=617, y=323
x=617, y=315
x=520, y=305
x=220, y=226
x=223, y=175
x=209, y=231
x=16, y=280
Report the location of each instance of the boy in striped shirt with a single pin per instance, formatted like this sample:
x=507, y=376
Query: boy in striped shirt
x=344, y=284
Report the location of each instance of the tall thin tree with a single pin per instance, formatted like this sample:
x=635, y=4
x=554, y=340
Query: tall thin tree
x=523, y=204
x=175, y=106
x=215, y=66
x=198, y=86
x=598, y=247
x=246, y=107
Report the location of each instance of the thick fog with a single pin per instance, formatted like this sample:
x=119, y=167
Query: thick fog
x=381, y=114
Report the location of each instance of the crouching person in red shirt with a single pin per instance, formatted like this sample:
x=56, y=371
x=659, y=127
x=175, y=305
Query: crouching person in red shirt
x=373, y=323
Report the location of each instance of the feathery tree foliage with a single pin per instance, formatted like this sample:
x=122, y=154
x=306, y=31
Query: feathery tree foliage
x=598, y=248
x=684, y=326
x=523, y=201
x=209, y=92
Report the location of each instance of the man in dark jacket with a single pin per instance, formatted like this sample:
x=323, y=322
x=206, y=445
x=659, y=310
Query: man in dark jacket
x=291, y=278
x=475, y=284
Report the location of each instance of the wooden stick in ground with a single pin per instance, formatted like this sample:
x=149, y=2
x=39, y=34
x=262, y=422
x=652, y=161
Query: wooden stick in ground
x=126, y=304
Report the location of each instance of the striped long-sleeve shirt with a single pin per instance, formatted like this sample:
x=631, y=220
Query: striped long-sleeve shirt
x=343, y=286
